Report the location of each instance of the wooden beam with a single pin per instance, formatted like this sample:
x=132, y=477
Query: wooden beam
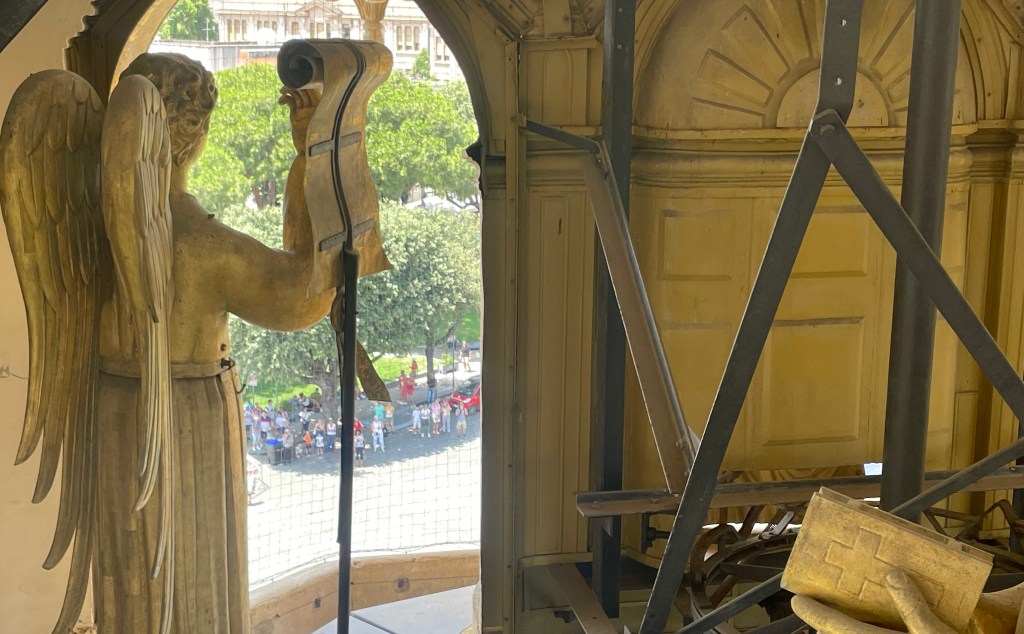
x=603, y=504
x=582, y=600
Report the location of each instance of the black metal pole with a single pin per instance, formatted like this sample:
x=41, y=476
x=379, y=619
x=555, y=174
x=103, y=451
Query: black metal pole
x=925, y=168
x=343, y=318
x=608, y=409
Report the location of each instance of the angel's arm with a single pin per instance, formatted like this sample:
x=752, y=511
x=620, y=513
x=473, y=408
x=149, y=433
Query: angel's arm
x=272, y=291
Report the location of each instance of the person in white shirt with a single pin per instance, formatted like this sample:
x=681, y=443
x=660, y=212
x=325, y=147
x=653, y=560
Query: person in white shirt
x=377, y=430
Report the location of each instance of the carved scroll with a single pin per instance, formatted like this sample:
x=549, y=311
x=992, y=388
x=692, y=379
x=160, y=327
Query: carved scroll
x=340, y=193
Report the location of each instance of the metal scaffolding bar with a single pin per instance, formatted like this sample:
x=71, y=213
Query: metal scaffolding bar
x=760, y=592
x=830, y=132
x=609, y=359
x=343, y=319
x=674, y=439
x=925, y=169
x=671, y=434
x=836, y=86
x=835, y=140
x=597, y=504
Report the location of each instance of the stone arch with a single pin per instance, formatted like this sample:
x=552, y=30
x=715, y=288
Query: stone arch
x=123, y=30
x=757, y=68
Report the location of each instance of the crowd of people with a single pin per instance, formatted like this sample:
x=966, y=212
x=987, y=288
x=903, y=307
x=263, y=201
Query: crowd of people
x=302, y=430
x=435, y=418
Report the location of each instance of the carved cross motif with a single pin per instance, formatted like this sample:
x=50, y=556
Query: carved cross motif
x=853, y=581
x=856, y=580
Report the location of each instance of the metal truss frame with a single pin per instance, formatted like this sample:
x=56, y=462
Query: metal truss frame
x=827, y=143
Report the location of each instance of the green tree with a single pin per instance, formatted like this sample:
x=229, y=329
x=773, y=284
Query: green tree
x=190, y=20
x=249, y=149
x=434, y=280
x=436, y=256
x=421, y=66
x=416, y=134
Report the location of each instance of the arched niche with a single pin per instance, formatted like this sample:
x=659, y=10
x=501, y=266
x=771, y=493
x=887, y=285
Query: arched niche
x=123, y=29
x=752, y=64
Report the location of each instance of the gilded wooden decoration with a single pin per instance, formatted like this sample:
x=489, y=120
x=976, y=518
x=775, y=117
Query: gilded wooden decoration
x=128, y=283
x=846, y=550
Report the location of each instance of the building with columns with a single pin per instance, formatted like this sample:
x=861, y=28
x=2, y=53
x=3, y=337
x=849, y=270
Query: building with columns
x=263, y=24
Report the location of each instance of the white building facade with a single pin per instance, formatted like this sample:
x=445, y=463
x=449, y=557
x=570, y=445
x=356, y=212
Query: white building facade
x=252, y=30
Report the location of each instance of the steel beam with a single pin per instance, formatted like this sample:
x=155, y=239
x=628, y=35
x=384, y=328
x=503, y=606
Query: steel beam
x=840, y=42
x=925, y=170
x=609, y=356
x=343, y=319
x=671, y=434
x=758, y=593
x=557, y=134
x=797, y=207
x=834, y=138
x=597, y=504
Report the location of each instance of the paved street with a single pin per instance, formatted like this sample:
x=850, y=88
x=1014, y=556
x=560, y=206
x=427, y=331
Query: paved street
x=446, y=384
x=420, y=494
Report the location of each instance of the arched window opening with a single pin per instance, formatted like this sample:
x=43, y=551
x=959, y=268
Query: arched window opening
x=418, y=483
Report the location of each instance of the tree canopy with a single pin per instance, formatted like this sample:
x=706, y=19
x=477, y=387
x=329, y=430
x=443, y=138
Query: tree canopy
x=190, y=20
x=249, y=148
x=421, y=67
x=434, y=279
x=435, y=254
x=416, y=133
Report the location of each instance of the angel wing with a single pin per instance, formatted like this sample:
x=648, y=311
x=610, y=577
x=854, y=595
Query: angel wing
x=67, y=241
x=50, y=169
x=136, y=184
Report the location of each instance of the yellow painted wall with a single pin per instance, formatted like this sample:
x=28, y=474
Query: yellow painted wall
x=722, y=99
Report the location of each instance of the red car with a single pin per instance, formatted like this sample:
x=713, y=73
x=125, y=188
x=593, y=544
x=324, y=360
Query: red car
x=467, y=396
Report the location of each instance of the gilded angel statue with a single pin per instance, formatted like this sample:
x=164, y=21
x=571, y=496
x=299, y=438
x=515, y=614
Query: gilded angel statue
x=996, y=612
x=128, y=283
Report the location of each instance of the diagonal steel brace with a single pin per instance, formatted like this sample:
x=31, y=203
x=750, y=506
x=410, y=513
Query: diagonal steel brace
x=830, y=133
x=649, y=358
x=836, y=86
x=675, y=441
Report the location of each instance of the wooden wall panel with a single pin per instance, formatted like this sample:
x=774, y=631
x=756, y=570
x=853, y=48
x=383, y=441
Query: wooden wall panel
x=559, y=288
x=818, y=395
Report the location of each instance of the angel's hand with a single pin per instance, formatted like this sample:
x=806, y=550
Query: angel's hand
x=301, y=105
x=911, y=605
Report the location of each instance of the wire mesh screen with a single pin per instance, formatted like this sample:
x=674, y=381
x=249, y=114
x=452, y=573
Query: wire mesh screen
x=419, y=492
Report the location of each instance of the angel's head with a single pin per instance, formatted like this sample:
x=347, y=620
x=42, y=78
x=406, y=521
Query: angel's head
x=189, y=96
